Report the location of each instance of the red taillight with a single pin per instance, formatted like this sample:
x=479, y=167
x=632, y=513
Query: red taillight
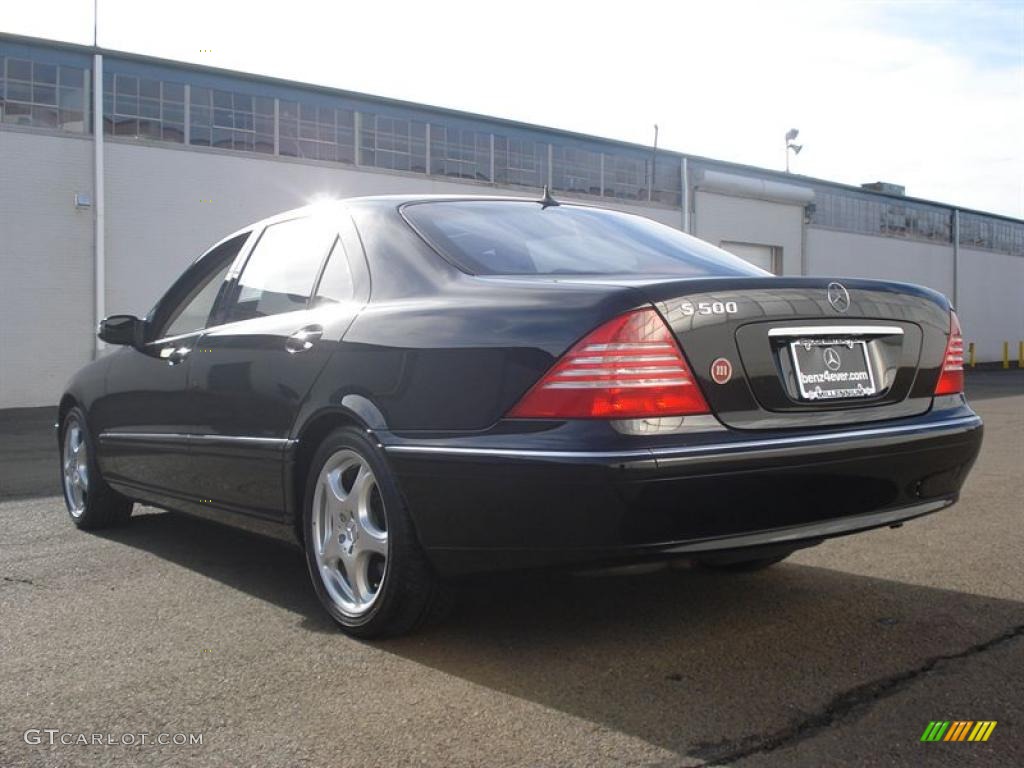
x=951, y=380
x=629, y=368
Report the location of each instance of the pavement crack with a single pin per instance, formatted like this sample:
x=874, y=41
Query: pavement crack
x=844, y=707
x=14, y=580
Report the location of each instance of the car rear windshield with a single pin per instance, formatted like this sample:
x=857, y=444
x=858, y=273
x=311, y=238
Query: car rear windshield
x=523, y=238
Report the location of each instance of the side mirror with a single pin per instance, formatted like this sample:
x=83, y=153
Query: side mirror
x=123, y=330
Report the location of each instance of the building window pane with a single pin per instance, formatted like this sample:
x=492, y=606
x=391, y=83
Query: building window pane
x=44, y=94
x=44, y=73
x=41, y=94
x=520, y=162
x=231, y=120
x=459, y=152
x=576, y=170
x=173, y=93
x=145, y=108
x=19, y=69
x=392, y=142
x=325, y=133
x=625, y=177
x=18, y=91
x=668, y=182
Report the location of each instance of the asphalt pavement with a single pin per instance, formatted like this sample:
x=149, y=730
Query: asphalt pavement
x=841, y=656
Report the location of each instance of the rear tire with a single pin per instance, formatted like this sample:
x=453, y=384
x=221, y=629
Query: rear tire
x=745, y=566
x=364, y=558
x=91, y=503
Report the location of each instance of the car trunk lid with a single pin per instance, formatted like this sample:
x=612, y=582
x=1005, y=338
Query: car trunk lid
x=775, y=353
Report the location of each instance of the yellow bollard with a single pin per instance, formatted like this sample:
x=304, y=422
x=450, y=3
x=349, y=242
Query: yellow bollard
x=1006, y=355
x=970, y=354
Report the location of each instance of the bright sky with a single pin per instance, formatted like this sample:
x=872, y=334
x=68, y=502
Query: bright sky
x=925, y=94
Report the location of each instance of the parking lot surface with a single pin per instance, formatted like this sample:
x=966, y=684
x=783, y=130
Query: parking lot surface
x=840, y=656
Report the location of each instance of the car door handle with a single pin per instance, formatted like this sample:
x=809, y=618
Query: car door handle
x=174, y=354
x=303, y=339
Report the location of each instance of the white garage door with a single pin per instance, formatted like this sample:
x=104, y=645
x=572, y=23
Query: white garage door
x=763, y=256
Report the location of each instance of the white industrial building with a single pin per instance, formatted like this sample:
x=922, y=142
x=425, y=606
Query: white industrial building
x=187, y=154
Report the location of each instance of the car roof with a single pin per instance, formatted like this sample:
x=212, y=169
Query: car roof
x=397, y=200
x=333, y=205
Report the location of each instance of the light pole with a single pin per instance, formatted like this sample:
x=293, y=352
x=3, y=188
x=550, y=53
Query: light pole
x=654, y=160
x=791, y=134
x=99, y=203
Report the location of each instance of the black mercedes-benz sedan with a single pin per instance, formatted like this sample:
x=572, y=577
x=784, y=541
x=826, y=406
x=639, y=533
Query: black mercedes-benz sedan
x=413, y=388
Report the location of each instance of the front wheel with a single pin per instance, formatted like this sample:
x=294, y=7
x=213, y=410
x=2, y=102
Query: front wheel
x=363, y=556
x=90, y=502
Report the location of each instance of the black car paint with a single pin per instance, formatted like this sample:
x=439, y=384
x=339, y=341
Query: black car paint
x=429, y=359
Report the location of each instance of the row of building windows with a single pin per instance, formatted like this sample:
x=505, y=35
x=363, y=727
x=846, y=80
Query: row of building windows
x=43, y=94
x=50, y=95
x=143, y=107
x=316, y=132
x=880, y=216
x=140, y=107
x=848, y=212
x=990, y=234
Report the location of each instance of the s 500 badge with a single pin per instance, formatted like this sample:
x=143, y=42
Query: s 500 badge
x=689, y=308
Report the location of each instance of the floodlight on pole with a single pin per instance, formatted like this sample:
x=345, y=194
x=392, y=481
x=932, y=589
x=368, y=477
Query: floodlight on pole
x=791, y=134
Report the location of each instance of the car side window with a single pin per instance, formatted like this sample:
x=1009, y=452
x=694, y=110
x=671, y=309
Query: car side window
x=192, y=313
x=336, y=282
x=281, y=270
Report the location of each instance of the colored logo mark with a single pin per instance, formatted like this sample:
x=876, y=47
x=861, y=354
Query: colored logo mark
x=958, y=730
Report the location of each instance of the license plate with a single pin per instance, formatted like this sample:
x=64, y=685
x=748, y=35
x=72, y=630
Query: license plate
x=832, y=369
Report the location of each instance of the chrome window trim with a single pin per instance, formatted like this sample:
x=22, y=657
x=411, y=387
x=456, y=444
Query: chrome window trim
x=695, y=450
x=837, y=330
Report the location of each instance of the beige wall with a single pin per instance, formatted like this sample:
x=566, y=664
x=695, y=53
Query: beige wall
x=164, y=206
x=991, y=302
x=723, y=218
x=844, y=254
x=46, y=265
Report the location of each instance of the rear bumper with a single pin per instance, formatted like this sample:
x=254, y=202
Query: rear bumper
x=521, y=501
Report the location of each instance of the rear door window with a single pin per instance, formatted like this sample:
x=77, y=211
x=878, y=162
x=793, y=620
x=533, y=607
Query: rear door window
x=281, y=271
x=524, y=238
x=336, y=282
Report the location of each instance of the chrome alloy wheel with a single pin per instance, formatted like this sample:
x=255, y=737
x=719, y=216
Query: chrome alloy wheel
x=76, y=468
x=350, y=533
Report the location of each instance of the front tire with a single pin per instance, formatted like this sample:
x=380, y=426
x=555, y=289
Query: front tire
x=90, y=502
x=364, y=558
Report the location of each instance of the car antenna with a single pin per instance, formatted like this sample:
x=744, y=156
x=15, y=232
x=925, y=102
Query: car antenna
x=546, y=199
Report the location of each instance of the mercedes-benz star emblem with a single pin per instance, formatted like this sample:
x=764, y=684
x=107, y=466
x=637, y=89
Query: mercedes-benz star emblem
x=838, y=297
x=832, y=359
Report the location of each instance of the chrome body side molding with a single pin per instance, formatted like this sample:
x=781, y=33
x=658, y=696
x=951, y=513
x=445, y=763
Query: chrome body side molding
x=834, y=436
x=176, y=437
